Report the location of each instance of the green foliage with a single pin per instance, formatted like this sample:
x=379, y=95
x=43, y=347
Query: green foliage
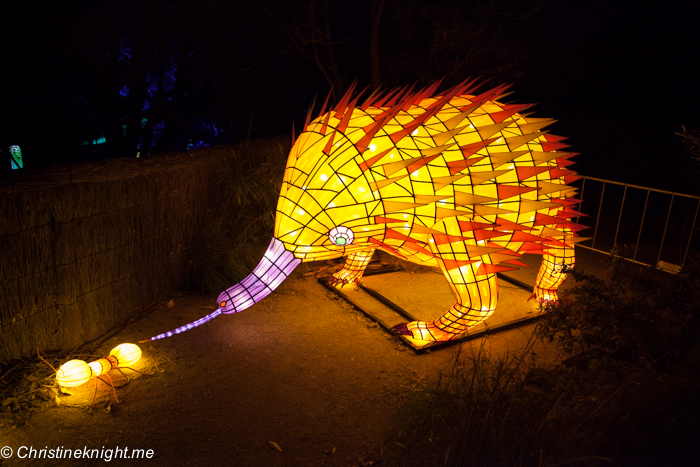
x=634, y=313
x=233, y=244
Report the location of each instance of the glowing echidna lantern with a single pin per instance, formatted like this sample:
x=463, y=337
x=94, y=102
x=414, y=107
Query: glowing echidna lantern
x=454, y=180
x=75, y=373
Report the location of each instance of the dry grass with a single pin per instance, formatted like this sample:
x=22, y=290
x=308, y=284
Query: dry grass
x=627, y=395
x=489, y=411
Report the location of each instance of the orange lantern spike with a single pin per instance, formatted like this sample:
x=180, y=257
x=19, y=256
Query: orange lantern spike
x=508, y=111
x=343, y=103
x=325, y=103
x=308, y=114
x=399, y=96
x=382, y=102
x=343, y=125
x=376, y=94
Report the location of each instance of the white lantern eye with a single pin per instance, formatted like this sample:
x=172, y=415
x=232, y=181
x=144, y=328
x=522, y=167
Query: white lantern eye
x=341, y=236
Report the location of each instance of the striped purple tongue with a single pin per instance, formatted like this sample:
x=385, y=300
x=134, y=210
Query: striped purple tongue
x=274, y=268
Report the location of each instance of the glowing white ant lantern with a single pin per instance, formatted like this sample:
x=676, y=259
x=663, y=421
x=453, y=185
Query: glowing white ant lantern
x=74, y=373
x=126, y=354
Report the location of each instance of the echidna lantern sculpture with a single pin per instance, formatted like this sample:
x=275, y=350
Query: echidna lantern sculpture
x=453, y=180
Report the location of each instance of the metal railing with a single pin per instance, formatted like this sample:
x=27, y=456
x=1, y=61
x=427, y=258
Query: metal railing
x=648, y=231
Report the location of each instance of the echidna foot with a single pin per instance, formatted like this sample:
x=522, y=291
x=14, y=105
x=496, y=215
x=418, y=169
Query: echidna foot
x=420, y=330
x=342, y=278
x=544, y=296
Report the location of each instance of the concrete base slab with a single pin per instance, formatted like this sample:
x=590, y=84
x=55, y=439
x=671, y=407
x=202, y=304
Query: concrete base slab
x=391, y=296
x=401, y=296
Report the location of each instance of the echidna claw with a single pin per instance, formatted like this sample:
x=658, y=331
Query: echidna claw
x=545, y=296
x=332, y=282
x=401, y=329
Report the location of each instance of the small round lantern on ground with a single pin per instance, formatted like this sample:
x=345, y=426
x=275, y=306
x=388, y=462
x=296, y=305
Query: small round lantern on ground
x=74, y=373
x=126, y=354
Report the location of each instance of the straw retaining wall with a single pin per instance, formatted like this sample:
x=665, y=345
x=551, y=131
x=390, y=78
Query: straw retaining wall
x=83, y=247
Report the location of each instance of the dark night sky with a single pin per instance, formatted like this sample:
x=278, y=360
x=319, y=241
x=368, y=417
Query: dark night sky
x=619, y=76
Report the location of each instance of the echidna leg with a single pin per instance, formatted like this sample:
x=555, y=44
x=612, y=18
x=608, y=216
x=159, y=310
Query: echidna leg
x=355, y=265
x=476, y=300
x=555, y=267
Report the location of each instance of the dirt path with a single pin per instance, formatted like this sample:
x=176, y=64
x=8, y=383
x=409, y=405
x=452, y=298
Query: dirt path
x=301, y=369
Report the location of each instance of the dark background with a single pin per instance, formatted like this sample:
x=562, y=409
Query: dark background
x=157, y=76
